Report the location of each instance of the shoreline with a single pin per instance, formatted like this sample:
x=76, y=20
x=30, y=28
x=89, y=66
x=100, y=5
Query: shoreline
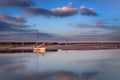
x=54, y=48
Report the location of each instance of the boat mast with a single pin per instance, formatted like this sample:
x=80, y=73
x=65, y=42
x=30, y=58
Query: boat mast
x=36, y=38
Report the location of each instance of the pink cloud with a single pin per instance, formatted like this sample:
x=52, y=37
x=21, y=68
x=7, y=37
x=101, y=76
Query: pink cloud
x=66, y=10
x=17, y=19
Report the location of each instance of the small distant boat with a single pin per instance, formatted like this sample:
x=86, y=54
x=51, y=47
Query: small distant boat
x=41, y=48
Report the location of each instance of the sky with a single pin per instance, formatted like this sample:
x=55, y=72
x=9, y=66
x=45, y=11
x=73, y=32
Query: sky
x=59, y=20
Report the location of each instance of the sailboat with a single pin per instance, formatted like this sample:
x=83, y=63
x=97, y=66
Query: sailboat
x=39, y=48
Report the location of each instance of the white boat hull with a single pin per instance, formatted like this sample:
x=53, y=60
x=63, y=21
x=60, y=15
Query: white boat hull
x=39, y=49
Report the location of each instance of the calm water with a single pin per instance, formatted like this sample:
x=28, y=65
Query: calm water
x=61, y=65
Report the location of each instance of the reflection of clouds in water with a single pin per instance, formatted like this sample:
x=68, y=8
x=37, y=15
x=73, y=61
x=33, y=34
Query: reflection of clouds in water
x=88, y=75
x=15, y=67
x=12, y=68
x=95, y=60
x=65, y=76
x=61, y=75
x=9, y=64
x=109, y=70
x=76, y=65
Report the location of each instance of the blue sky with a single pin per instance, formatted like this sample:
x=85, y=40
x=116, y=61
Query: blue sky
x=60, y=20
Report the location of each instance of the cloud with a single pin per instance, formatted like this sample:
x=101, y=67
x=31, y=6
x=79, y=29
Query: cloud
x=36, y=11
x=19, y=32
x=17, y=19
x=97, y=31
x=17, y=3
x=87, y=11
x=24, y=35
x=65, y=11
x=106, y=20
x=100, y=21
x=115, y=19
x=94, y=37
x=57, y=12
x=5, y=26
x=70, y=5
x=9, y=23
x=40, y=34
